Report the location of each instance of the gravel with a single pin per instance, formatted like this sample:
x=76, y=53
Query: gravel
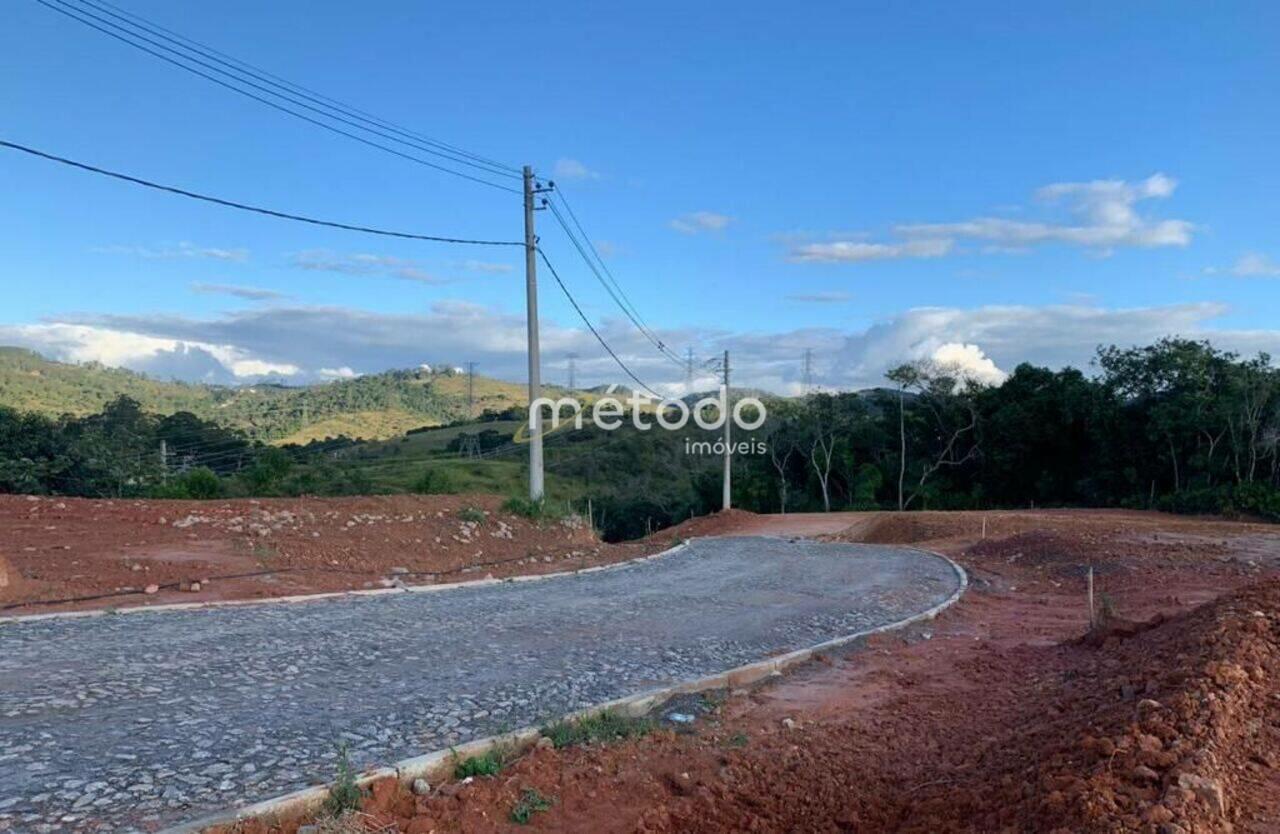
x=129, y=723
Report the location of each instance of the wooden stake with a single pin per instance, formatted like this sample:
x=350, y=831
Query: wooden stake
x=1093, y=619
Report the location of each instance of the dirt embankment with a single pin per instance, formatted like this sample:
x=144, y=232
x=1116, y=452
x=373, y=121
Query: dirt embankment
x=996, y=717
x=65, y=553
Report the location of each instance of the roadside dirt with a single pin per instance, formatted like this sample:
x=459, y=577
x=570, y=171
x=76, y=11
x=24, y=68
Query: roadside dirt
x=1003, y=715
x=59, y=554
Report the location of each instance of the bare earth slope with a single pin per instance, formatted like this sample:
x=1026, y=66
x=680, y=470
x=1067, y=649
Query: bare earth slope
x=997, y=717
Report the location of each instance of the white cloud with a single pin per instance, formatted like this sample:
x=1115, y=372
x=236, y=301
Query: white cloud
x=183, y=359
x=1101, y=216
x=323, y=260
x=306, y=343
x=182, y=250
x=846, y=251
x=969, y=362
x=571, y=169
x=339, y=373
x=1256, y=265
x=1104, y=210
x=238, y=291
x=832, y=297
x=701, y=221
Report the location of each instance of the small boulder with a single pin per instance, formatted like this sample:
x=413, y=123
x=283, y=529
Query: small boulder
x=421, y=787
x=151, y=589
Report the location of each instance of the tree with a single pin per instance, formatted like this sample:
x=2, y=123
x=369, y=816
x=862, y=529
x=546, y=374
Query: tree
x=945, y=397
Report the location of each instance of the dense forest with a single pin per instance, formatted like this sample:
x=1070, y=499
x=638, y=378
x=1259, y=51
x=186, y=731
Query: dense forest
x=1178, y=425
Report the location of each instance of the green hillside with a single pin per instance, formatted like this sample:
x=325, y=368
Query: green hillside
x=374, y=406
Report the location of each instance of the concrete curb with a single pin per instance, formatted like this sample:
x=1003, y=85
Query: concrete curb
x=363, y=592
x=437, y=764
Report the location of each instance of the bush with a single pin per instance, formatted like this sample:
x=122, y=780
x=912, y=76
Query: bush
x=200, y=484
x=1233, y=500
x=435, y=482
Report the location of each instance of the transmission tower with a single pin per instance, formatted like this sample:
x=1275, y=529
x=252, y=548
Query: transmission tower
x=573, y=372
x=688, y=370
x=806, y=384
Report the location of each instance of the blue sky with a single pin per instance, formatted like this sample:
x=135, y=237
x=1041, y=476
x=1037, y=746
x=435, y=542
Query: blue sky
x=984, y=183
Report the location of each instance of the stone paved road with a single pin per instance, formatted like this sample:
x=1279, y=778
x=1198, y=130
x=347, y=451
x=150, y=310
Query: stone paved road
x=128, y=723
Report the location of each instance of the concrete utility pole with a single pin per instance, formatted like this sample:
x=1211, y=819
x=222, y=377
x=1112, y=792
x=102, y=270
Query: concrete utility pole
x=535, y=370
x=164, y=460
x=471, y=390
x=728, y=437
x=573, y=372
x=806, y=386
x=688, y=370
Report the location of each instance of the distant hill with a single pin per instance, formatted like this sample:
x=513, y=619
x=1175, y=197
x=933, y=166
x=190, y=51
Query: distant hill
x=375, y=406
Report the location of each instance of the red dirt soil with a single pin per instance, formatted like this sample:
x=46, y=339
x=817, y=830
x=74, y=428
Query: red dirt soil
x=59, y=554
x=999, y=716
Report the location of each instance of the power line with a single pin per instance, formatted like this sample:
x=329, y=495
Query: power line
x=190, y=44
x=592, y=328
x=612, y=293
x=127, y=36
x=245, y=207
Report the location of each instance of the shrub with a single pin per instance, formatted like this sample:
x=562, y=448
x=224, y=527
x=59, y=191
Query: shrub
x=201, y=484
x=474, y=514
x=434, y=482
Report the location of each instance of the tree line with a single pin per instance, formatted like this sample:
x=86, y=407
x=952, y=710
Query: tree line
x=1178, y=425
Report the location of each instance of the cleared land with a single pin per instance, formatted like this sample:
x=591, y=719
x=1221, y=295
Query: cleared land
x=125, y=723
x=1000, y=716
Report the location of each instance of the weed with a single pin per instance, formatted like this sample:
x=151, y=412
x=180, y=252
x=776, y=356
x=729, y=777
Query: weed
x=737, y=740
x=490, y=764
x=531, y=802
x=472, y=514
x=602, y=728
x=533, y=510
x=345, y=795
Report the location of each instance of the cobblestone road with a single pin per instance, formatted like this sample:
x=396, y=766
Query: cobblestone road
x=130, y=723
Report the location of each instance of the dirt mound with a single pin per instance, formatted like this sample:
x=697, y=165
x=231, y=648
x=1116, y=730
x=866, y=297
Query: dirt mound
x=723, y=523
x=910, y=528
x=1159, y=729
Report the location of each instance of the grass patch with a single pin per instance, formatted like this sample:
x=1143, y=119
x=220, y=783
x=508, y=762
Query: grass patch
x=490, y=764
x=474, y=514
x=538, y=511
x=737, y=740
x=531, y=802
x=602, y=728
x=345, y=795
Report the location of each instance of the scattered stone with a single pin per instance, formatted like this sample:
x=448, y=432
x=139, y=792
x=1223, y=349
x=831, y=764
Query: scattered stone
x=151, y=589
x=421, y=787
